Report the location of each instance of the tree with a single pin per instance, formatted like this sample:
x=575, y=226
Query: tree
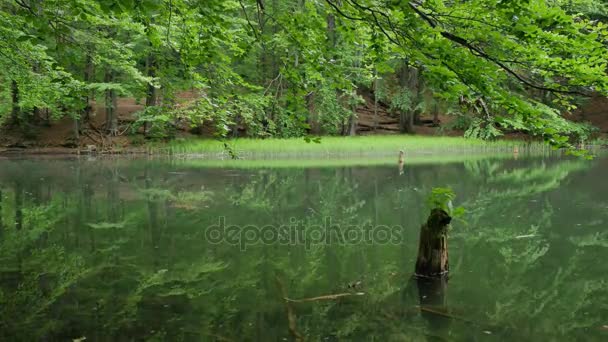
x=292, y=68
x=497, y=51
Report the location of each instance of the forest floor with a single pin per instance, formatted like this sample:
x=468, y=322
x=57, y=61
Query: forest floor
x=57, y=137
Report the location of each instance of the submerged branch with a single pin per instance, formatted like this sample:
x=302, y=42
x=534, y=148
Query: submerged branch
x=326, y=297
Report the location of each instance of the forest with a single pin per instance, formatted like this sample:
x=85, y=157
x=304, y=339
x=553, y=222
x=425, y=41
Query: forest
x=298, y=68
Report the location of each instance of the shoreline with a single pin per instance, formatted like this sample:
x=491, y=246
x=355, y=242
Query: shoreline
x=329, y=146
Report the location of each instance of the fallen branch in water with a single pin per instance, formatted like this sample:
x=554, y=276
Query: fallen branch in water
x=442, y=313
x=326, y=297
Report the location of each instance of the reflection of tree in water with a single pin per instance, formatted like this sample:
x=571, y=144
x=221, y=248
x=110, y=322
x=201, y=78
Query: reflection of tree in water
x=515, y=216
x=119, y=250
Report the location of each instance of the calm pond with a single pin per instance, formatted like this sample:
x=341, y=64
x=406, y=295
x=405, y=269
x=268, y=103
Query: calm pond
x=123, y=250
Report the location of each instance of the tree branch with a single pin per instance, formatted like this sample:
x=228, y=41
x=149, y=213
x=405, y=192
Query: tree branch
x=255, y=33
x=337, y=9
x=461, y=41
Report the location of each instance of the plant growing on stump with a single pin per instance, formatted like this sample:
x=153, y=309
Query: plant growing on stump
x=433, y=245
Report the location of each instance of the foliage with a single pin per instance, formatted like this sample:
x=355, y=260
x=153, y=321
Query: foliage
x=293, y=68
x=442, y=198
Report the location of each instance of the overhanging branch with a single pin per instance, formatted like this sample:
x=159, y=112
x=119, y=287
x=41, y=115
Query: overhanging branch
x=480, y=53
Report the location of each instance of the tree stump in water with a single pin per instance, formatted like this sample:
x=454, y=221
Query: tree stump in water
x=433, y=246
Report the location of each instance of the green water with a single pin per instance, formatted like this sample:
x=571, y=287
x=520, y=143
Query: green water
x=123, y=250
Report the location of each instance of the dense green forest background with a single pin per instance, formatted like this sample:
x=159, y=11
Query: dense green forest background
x=290, y=68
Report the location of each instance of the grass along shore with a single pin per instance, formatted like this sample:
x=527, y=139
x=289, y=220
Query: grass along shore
x=343, y=146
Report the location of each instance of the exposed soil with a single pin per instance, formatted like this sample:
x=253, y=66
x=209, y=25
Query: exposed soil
x=58, y=135
x=380, y=121
x=595, y=112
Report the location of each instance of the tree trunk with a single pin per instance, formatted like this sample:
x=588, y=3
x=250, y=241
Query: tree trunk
x=88, y=78
x=151, y=96
x=406, y=117
x=16, y=110
x=414, y=86
x=275, y=29
x=313, y=119
x=47, y=116
x=111, y=105
x=37, y=117
x=375, y=100
x=77, y=131
x=433, y=246
x=352, y=124
x=36, y=111
x=331, y=30
x=264, y=58
x=435, y=114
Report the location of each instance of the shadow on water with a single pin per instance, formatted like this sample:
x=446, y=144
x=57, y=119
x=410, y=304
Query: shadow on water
x=168, y=250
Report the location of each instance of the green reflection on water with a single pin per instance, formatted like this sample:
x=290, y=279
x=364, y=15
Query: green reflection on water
x=121, y=250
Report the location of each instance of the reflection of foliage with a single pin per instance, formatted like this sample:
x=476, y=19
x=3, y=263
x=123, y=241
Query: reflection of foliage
x=192, y=199
x=181, y=199
x=599, y=239
x=156, y=195
x=73, y=267
x=188, y=281
x=107, y=225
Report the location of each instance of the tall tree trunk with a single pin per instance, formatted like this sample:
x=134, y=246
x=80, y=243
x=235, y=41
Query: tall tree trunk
x=313, y=118
x=261, y=14
x=36, y=111
x=111, y=105
x=16, y=110
x=88, y=78
x=414, y=86
x=47, y=117
x=351, y=129
x=375, y=126
x=36, y=114
x=151, y=96
x=435, y=113
x=408, y=81
x=77, y=130
x=404, y=114
x=331, y=30
x=419, y=97
x=275, y=30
